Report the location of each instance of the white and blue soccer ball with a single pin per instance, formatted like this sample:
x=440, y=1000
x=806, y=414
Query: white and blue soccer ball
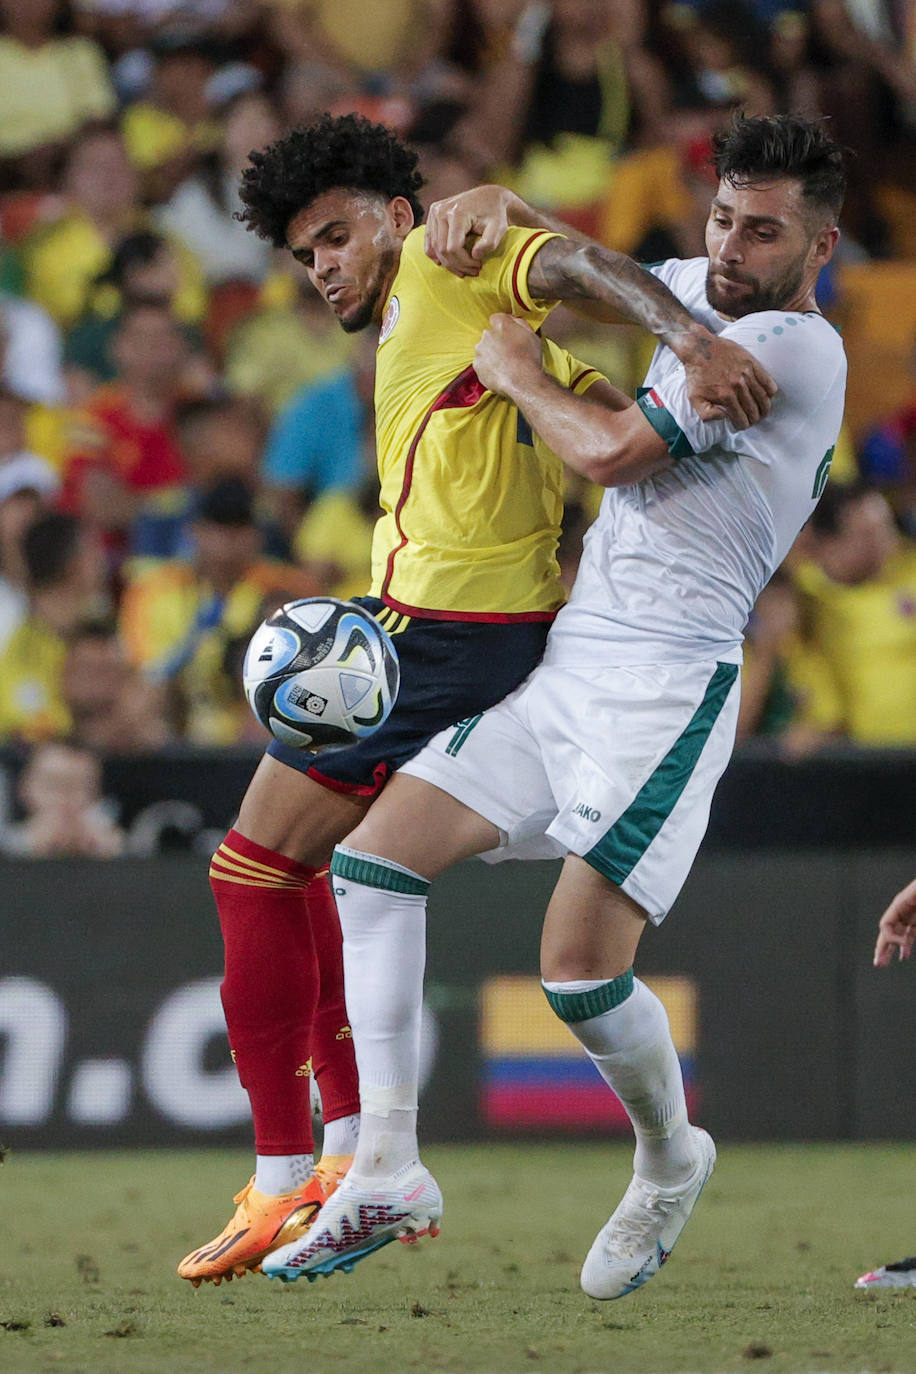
x=321, y=673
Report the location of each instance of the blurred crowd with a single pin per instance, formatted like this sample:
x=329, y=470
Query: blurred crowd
x=186, y=436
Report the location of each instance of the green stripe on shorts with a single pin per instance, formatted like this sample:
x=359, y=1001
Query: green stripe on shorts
x=619, y=851
x=462, y=730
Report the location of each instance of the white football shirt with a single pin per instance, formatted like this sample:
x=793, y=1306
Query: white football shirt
x=672, y=565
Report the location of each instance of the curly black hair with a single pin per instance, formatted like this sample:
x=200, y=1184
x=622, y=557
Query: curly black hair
x=786, y=145
x=346, y=151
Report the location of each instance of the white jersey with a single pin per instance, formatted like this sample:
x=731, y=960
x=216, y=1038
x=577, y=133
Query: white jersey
x=672, y=565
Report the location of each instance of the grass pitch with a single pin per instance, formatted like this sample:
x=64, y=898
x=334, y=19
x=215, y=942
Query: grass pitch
x=762, y=1278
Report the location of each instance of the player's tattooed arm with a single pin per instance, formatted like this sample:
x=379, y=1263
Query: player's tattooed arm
x=723, y=379
x=602, y=435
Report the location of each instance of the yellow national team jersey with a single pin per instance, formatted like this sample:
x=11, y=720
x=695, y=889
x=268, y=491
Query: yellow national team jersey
x=472, y=500
x=867, y=634
x=32, y=705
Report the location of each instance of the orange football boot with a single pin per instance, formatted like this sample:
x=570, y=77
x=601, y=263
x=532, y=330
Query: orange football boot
x=262, y=1221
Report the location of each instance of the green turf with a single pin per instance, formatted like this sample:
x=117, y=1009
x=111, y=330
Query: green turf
x=762, y=1278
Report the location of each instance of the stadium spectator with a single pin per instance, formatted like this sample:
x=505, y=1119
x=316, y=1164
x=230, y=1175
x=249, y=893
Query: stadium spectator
x=858, y=589
x=51, y=82
x=201, y=209
x=60, y=789
x=323, y=438
x=180, y=618
x=145, y=269
x=372, y=47
x=26, y=480
x=114, y=709
x=64, y=259
x=30, y=346
x=65, y=583
x=168, y=130
x=126, y=475
x=220, y=437
x=287, y=342
x=788, y=691
x=570, y=86
x=887, y=459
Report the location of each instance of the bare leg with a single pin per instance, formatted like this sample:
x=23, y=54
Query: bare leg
x=419, y=826
x=290, y=813
x=591, y=929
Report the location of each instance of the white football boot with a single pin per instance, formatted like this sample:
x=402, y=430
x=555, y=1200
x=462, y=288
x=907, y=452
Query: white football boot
x=366, y=1214
x=899, y=1275
x=641, y=1234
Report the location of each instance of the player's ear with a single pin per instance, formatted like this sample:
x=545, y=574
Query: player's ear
x=824, y=245
x=402, y=215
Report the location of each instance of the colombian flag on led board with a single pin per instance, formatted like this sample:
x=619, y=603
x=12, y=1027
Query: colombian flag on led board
x=536, y=1075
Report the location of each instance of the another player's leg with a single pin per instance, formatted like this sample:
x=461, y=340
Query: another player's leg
x=270, y=991
x=333, y=1060
x=899, y=1275
x=590, y=937
x=388, y=1193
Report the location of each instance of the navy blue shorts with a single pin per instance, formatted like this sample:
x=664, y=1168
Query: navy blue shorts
x=450, y=669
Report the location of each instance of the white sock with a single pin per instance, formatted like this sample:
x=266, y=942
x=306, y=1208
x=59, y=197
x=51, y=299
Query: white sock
x=382, y=909
x=282, y=1173
x=631, y=1047
x=340, y=1136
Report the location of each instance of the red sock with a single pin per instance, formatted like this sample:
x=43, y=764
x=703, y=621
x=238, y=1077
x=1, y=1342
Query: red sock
x=270, y=989
x=332, y=1041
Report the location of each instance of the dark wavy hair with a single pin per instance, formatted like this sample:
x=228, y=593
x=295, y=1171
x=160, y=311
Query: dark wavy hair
x=784, y=145
x=345, y=151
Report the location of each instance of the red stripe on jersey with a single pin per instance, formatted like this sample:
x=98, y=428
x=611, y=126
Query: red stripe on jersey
x=485, y=617
x=462, y=392
x=518, y=263
x=656, y=399
x=589, y=372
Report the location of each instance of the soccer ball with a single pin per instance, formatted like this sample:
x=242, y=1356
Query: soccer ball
x=321, y=673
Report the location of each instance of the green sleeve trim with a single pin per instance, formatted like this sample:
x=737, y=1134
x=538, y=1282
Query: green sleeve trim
x=666, y=427
x=582, y=1006
x=378, y=875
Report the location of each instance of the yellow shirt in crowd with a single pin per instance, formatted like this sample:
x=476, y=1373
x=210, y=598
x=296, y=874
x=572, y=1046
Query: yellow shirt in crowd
x=63, y=261
x=472, y=500
x=866, y=635
x=32, y=706
x=175, y=629
x=47, y=93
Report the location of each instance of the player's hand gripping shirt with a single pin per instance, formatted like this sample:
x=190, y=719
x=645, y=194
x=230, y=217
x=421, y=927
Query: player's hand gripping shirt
x=472, y=501
x=673, y=565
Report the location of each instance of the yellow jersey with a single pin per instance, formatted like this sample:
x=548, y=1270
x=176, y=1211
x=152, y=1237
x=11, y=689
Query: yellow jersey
x=32, y=705
x=176, y=629
x=472, y=500
x=867, y=636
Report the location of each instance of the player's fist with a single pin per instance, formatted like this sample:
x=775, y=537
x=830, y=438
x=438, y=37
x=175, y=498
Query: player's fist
x=462, y=231
x=508, y=352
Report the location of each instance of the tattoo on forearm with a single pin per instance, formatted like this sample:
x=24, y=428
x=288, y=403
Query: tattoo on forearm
x=562, y=270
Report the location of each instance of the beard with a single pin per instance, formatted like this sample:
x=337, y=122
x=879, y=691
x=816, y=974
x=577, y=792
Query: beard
x=771, y=295
x=365, y=312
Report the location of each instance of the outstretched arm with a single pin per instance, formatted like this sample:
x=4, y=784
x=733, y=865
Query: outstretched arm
x=603, y=435
x=723, y=378
x=897, y=928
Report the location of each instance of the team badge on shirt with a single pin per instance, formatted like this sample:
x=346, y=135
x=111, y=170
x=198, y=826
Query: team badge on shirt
x=389, y=320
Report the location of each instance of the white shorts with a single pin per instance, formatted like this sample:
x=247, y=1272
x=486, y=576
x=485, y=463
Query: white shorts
x=615, y=765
